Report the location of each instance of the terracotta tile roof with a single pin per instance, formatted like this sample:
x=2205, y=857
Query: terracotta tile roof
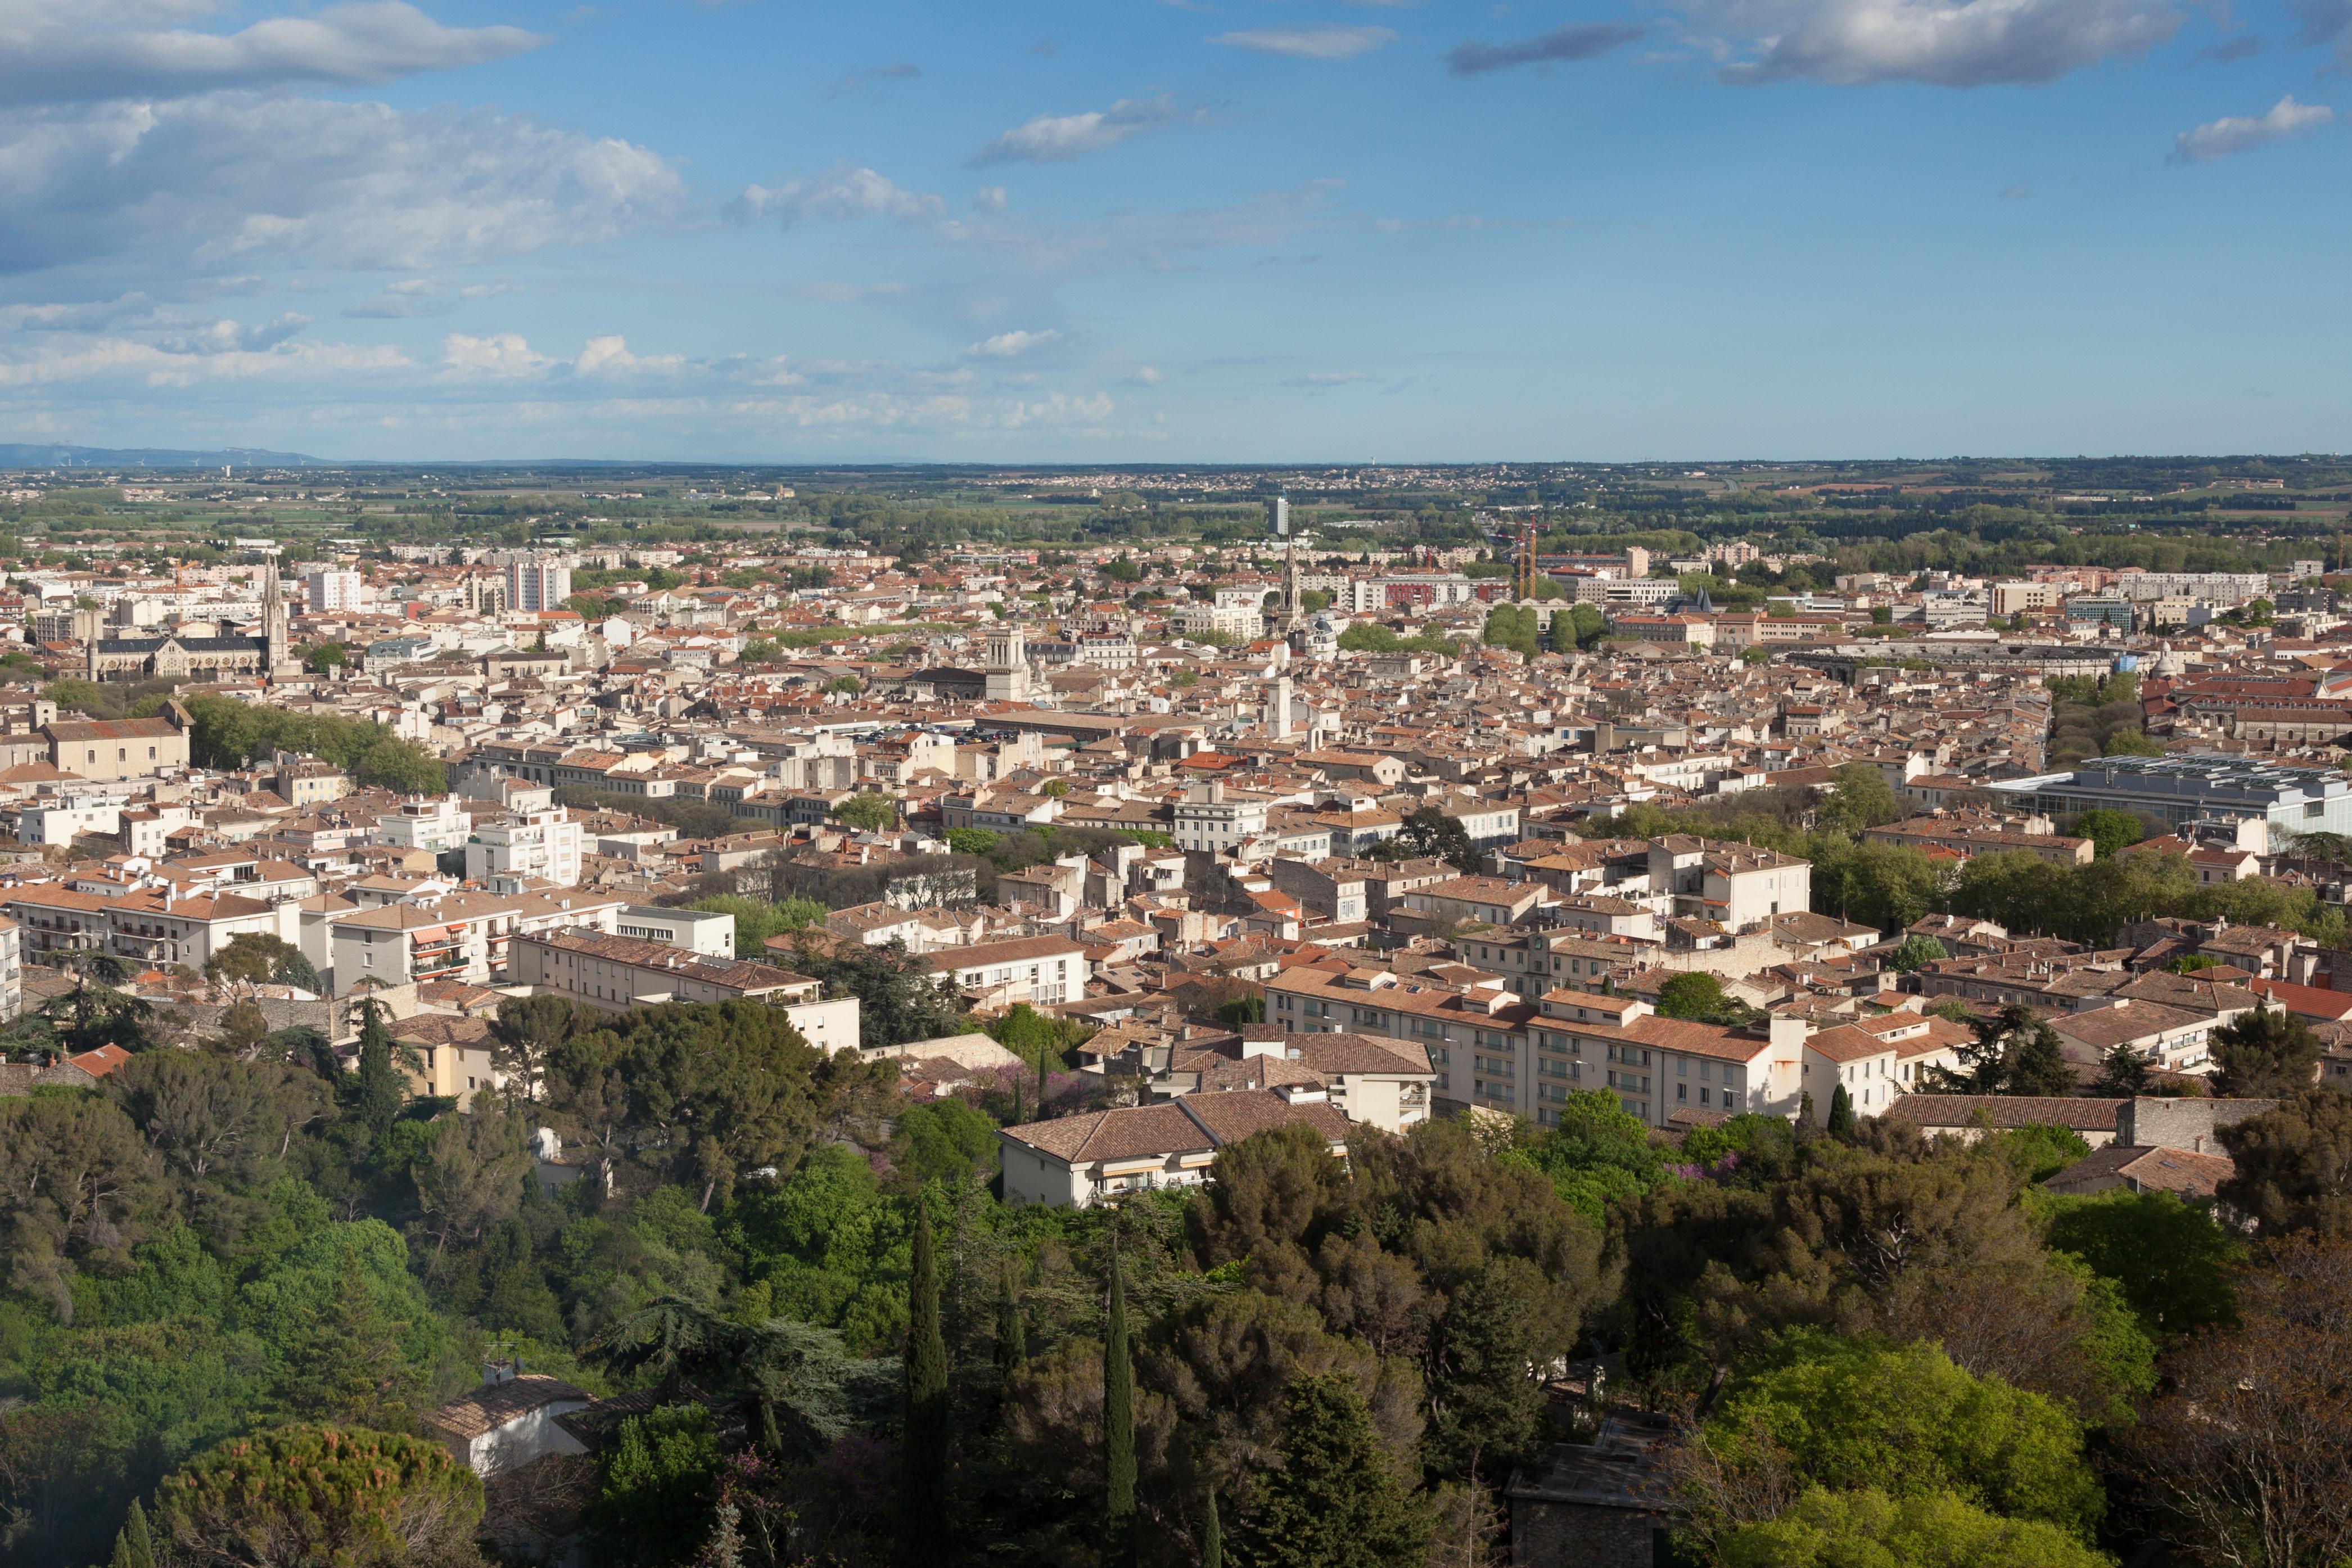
x=493, y=1404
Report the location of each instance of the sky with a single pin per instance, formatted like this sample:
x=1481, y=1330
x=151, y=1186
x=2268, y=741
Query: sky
x=1177, y=231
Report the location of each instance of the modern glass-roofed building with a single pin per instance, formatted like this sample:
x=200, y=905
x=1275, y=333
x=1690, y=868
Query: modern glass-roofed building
x=2180, y=790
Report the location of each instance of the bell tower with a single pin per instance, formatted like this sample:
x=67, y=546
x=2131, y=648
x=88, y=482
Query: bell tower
x=273, y=622
x=1008, y=663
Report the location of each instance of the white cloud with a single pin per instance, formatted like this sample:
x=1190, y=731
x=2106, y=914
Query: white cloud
x=226, y=337
x=843, y=193
x=1011, y=345
x=54, y=55
x=610, y=355
x=1309, y=43
x=1943, y=43
x=988, y=199
x=354, y=184
x=499, y=354
x=1059, y=409
x=113, y=363
x=1148, y=376
x=1053, y=138
x=2242, y=133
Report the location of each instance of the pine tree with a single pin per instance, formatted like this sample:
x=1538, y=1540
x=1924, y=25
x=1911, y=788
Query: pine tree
x=2123, y=1071
x=2037, y=1064
x=347, y=1365
x=1334, y=1501
x=922, y=1496
x=379, y=1090
x=1118, y=1428
x=1840, y=1113
x=133, y=1548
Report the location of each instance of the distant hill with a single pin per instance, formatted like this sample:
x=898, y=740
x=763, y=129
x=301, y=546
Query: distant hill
x=24, y=454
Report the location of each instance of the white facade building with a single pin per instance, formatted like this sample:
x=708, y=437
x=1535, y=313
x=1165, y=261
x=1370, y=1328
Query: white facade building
x=332, y=588
x=427, y=823
x=542, y=583
x=695, y=930
x=542, y=844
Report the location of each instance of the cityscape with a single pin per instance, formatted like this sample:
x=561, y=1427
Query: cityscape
x=1175, y=784
x=1538, y=1013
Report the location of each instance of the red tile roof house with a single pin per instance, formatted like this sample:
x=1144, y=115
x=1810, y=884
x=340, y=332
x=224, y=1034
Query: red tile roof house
x=508, y=1421
x=1075, y=1162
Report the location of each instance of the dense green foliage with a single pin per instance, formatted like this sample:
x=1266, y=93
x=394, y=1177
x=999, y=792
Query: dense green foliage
x=226, y=733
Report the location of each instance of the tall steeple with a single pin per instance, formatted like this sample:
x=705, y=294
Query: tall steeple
x=273, y=618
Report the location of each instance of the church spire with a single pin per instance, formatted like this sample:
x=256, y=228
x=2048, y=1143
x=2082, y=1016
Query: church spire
x=273, y=618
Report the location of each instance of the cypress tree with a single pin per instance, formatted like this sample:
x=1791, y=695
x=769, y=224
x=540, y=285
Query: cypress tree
x=922, y=1494
x=378, y=1090
x=1118, y=1428
x=1212, y=1535
x=1840, y=1113
x=1012, y=1334
x=133, y=1548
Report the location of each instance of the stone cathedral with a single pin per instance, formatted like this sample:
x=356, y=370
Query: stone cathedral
x=200, y=659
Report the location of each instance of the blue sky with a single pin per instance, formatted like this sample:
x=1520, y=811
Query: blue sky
x=1214, y=230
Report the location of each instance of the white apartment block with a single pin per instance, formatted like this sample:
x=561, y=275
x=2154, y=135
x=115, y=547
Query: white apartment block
x=1033, y=969
x=545, y=845
x=333, y=589
x=537, y=583
x=2223, y=588
x=433, y=823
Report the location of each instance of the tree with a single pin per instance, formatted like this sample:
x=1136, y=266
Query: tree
x=1118, y=1425
x=525, y=1034
x=944, y=1140
x=1429, y=831
x=2248, y=1454
x=296, y=1496
x=971, y=841
x=2264, y=1055
x=472, y=1174
x=254, y=958
x=2123, y=1071
x=2013, y=1053
x=2109, y=829
x=74, y=1177
x=653, y=1498
x=134, y=1547
x=923, y=1486
x=2294, y=1164
x=869, y=811
x=1825, y=1528
x=1841, y=1121
x=1916, y=952
x=1212, y=1533
x=207, y=1115
x=2174, y=1261
x=2036, y=1064
x=324, y=657
x=1693, y=994
x=1847, y=1415
x=899, y=998
x=1863, y=799
x=346, y=1362
x=378, y=1090
x=1334, y=1503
